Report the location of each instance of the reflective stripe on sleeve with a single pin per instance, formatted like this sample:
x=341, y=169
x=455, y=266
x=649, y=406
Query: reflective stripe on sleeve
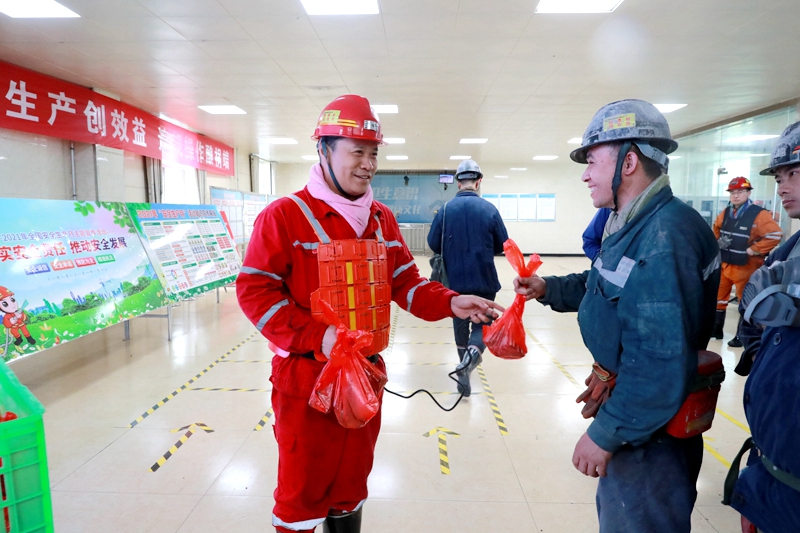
x=306, y=245
x=618, y=277
x=394, y=244
x=251, y=270
x=412, y=291
x=378, y=231
x=269, y=314
x=402, y=269
x=713, y=267
x=323, y=237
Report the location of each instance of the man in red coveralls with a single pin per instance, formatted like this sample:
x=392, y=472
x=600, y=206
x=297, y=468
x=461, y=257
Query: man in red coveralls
x=331, y=242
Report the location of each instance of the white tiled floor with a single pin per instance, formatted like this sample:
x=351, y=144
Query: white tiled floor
x=95, y=387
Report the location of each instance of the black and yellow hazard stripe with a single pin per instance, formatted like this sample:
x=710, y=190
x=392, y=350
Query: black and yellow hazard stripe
x=248, y=361
x=175, y=447
x=264, y=420
x=492, y=402
x=442, y=433
x=225, y=389
x=186, y=385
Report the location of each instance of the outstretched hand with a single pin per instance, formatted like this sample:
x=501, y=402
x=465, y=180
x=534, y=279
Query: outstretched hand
x=475, y=308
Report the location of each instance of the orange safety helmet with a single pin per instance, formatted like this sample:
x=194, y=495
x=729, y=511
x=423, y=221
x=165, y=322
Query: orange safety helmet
x=739, y=183
x=5, y=293
x=349, y=116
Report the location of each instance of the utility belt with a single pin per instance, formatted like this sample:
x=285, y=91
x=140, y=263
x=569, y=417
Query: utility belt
x=733, y=474
x=310, y=355
x=695, y=415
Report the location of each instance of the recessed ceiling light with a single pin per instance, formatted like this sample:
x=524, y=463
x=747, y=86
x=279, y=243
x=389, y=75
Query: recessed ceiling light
x=222, y=109
x=759, y=155
x=473, y=141
x=459, y=157
x=29, y=9
x=750, y=138
x=669, y=108
x=501, y=177
x=544, y=157
x=577, y=6
x=394, y=140
x=674, y=157
x=575, y=140
x=341, y=7
x=518, y=168
x=278, y=140
x=171, y=120
x=397, y=157
x=385, y=108
x=310, y=157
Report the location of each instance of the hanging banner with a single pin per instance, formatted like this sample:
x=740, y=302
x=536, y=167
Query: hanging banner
x=189, y=245
x=40, y=104
x=68, y=269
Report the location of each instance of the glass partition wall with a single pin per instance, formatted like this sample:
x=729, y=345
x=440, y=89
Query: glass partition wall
x=705, y=162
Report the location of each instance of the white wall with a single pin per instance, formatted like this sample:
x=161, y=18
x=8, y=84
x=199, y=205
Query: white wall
x=574, y=208
x=34, y=166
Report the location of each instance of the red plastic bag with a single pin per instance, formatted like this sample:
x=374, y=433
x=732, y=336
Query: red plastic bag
x=348, y=383
x=505, y=338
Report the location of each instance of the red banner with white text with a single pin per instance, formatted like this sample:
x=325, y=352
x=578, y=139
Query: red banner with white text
x=40, y=104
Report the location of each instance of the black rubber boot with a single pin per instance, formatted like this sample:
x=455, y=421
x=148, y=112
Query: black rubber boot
x=349, y=523
x=719, y=323
x=31, y=340
x=472, y=358
x=735, y=342
x=18, y=341
x=461, y=352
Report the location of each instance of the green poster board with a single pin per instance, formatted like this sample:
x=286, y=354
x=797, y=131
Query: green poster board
x=190, y=246
x=68, y=269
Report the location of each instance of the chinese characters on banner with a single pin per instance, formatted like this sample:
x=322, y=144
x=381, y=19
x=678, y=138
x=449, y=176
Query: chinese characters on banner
x=40, y=104
x=68, y=269
x=416, y=202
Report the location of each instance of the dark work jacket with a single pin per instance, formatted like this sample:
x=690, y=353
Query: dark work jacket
x=772, y=407
x=644, y=309
x=473, y=234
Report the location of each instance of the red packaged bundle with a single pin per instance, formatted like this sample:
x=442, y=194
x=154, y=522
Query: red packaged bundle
x=349, y=384
x=505, y=338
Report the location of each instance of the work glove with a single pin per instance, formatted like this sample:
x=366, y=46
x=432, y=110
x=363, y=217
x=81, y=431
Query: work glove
x=599, y=385
x=724, y=242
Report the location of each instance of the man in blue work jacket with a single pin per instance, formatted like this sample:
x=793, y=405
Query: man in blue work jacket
x=767, y=493
x=644, y=309
x=468, y=231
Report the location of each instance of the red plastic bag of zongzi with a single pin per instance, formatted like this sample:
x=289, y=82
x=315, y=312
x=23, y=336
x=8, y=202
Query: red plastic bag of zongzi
x=348, y=383
x=505, y=338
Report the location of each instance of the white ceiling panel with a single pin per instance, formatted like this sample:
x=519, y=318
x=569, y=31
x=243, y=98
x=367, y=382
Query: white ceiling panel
x=223, y=50
x=208, y=28
x=294, y=48
x=182, y=8
x=278, y=27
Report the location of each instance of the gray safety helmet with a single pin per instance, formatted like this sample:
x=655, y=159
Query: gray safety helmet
x=630, y=122
x=787, y=152
x=468, y=170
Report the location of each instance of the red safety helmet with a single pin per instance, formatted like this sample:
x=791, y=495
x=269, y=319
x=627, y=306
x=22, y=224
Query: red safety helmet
x=5, y=293
x=739, y=183
x=349, y=116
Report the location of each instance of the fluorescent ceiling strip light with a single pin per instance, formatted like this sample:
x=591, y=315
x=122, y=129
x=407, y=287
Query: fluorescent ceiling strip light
x=278, y=140
x=397, y=157
x=669, y=108
x=473, y=141
x=459, y=157
x=502, y=177
x=575, y=140
x=577, y=6
x=394, y=140
x=223, y=109
x=385, y=108
x=750, y=139
x=340, y=7
x=310, y=157
x=544, y=157
x=22, y=9
x=518, y=168
x=759, y=155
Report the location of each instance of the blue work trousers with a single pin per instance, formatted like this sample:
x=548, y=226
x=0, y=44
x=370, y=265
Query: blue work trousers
x=651, y=488
x=468, y=333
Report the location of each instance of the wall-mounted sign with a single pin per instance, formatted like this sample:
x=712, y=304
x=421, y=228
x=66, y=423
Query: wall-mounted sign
x=40, y=104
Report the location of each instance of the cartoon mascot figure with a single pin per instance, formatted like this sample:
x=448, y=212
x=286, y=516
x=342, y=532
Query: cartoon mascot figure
x=14, y=318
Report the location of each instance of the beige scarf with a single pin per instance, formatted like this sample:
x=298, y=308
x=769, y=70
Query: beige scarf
x=617, y=220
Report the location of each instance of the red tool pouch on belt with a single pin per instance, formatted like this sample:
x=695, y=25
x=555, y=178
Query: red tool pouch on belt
x=506, y=337
x=697, y=412
x=348, y=383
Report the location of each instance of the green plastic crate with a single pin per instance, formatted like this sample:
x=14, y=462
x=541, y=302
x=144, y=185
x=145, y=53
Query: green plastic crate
x=25, y=504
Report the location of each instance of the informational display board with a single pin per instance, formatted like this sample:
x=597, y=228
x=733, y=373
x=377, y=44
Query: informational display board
x=68, y=269
x=189, y=245
x=524, y=207
x=253, y=205
x=416, y=200
x=232, y=204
